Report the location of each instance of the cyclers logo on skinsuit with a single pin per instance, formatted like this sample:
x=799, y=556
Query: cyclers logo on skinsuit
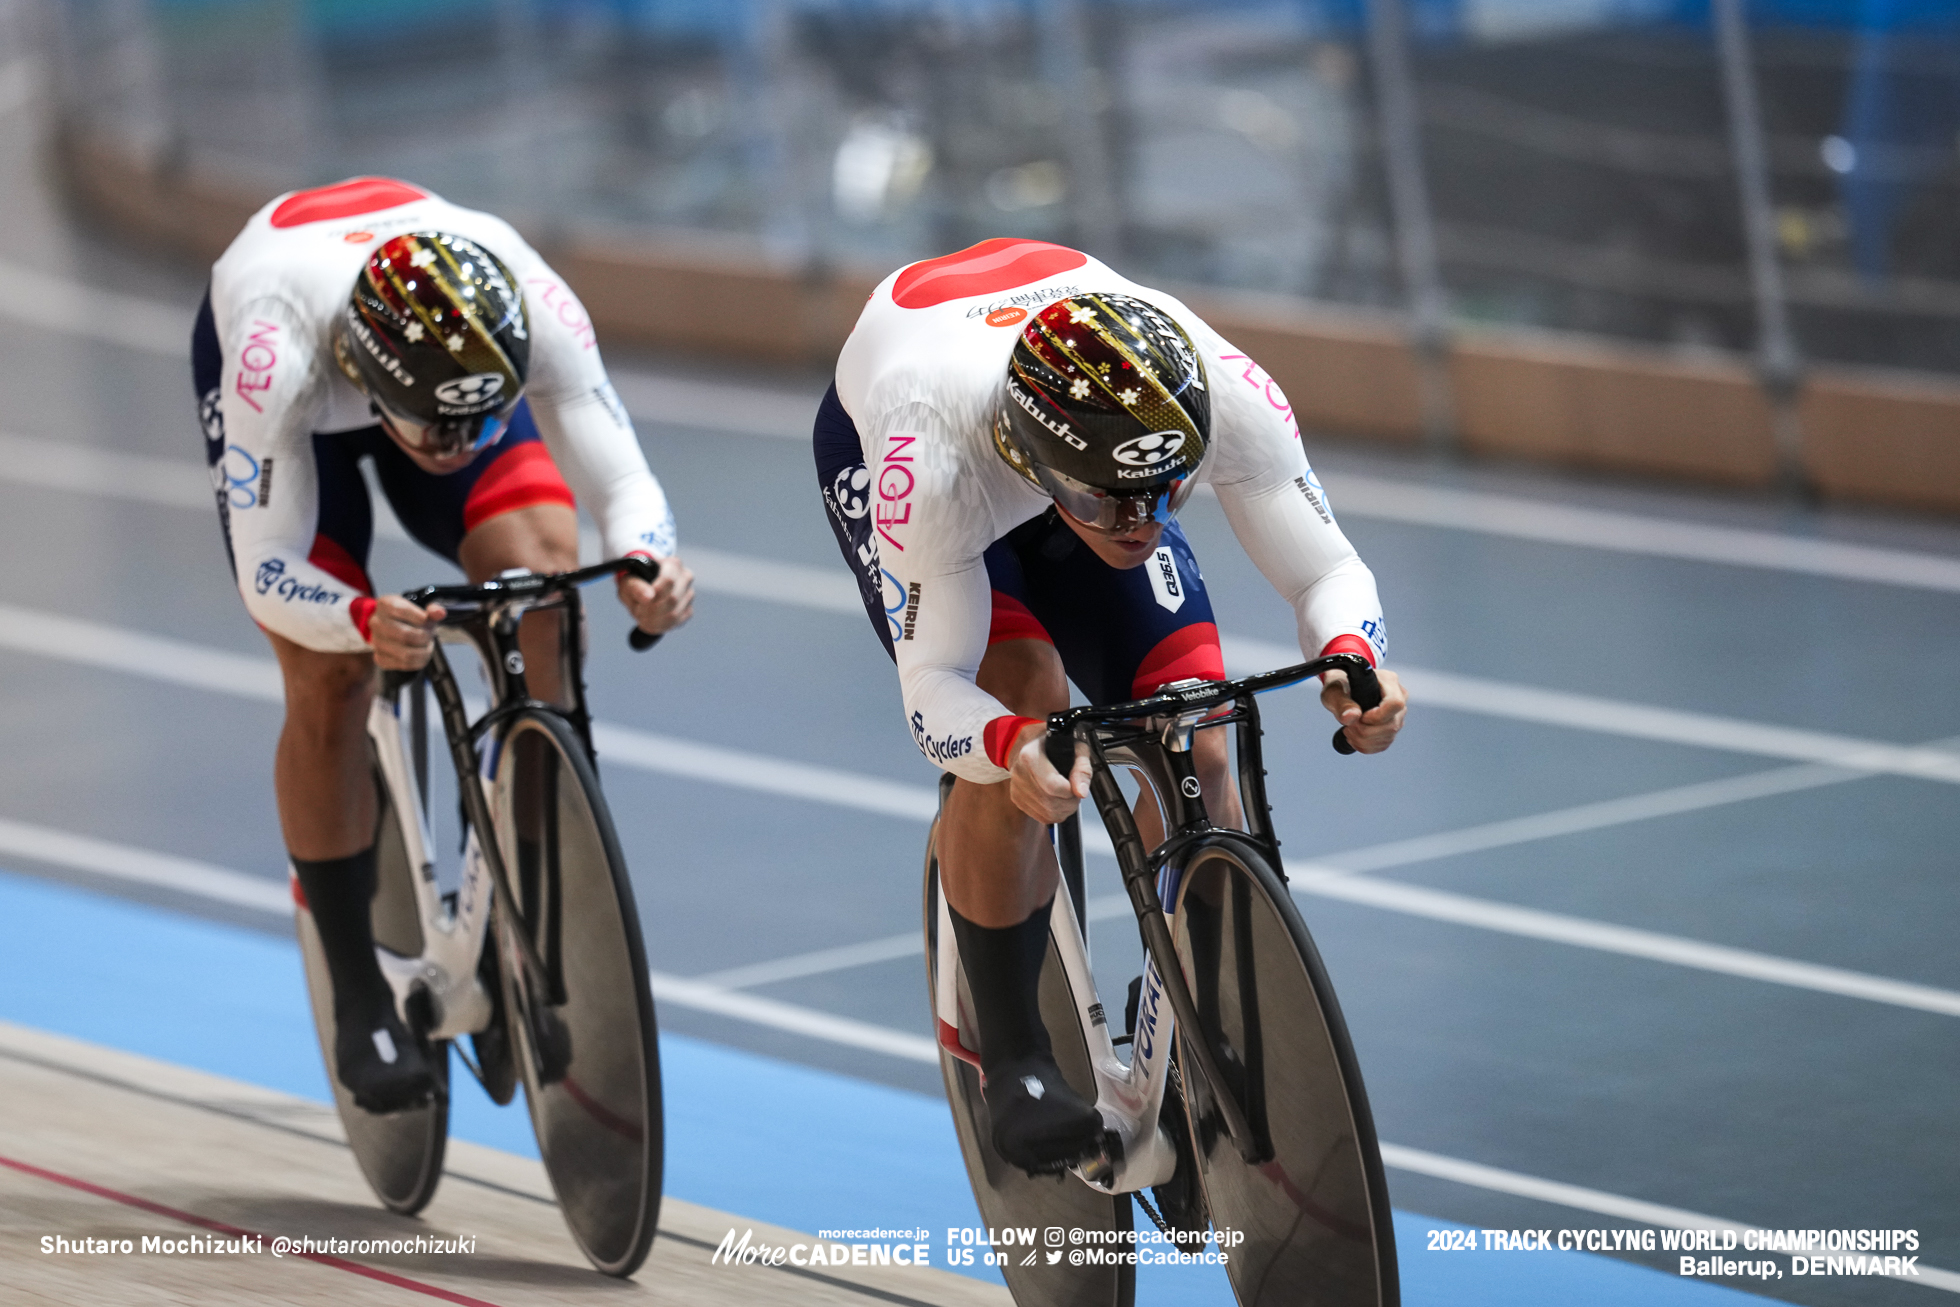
x=271, y=578
x=944, y=750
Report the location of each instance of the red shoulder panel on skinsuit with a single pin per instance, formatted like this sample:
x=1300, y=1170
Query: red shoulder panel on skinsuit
x=344, y=200
x=984, y=269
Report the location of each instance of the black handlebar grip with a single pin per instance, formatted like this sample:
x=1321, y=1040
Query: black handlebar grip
x=648, y=570
x=1060, y=747
x=1365, y=688
x=392, y=681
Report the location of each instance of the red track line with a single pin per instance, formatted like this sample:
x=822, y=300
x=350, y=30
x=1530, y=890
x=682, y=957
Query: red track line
x=189, y=1218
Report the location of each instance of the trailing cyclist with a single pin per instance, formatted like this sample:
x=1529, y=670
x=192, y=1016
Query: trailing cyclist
x=1011, y=433
x=374, y=320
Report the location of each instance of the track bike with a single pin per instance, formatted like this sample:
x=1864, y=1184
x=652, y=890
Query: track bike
x=536, y=953
x=1241, y=1106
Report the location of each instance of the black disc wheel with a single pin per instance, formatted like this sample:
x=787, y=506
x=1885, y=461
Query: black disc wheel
x=1009, y=1199
x=1311, y=1203
x=399, y=1153
x=582, y=1023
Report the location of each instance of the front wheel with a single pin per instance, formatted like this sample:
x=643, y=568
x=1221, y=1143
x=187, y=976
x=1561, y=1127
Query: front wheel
x=583, y=1029
x=1311, y=1204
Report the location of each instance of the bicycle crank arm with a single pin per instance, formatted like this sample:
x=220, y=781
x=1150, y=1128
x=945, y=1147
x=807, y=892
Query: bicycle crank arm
x=1157, y=938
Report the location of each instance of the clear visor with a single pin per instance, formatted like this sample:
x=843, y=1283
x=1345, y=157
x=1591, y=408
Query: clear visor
x=450, y=438
x=1115, y=513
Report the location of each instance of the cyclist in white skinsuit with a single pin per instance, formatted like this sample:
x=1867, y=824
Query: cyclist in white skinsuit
x=1011, y=430
x=371, y=319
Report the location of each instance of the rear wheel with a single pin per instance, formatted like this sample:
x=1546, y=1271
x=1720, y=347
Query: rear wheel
x=1312, y=1204
x=1007, y=1196
x=399, y=1153
x=583, y=1031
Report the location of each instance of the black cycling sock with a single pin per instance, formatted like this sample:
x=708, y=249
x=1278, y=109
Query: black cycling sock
x=338, y=891
x=1003, y=974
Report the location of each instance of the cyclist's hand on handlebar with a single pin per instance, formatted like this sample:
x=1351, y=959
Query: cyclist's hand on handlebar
x=403, y=635
x=663, y=604
x=1033, y=783
x=1374, y=730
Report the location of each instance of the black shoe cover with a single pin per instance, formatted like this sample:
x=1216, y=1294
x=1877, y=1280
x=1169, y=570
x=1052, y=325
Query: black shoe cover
x=1040, y=1124
x=381, y=1064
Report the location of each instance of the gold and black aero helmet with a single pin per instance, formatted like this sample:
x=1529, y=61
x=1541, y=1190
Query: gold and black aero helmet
x=1104, y=408
x=434, y=333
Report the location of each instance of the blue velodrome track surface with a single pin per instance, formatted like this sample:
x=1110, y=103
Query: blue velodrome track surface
x=753, y=1136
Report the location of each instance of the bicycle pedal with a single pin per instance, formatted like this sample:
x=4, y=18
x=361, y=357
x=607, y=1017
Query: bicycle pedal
x=1100, y=1168
x=422, y=1011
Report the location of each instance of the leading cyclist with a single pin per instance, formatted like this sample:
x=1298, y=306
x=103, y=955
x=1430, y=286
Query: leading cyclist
x=374, y=320
x=1011, y=433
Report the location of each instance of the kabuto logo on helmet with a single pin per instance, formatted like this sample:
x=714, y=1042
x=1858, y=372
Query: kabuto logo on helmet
x=471, y=394
x=1059, y=430
x=1151, y=451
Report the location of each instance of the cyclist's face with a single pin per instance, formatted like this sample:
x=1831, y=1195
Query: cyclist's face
x=1123, y=548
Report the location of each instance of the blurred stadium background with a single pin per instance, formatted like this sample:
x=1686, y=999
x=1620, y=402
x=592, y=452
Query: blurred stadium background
x=1377, y=180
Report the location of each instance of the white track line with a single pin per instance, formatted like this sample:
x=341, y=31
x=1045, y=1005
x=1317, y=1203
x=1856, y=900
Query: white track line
x=818, y=962
x=143, y=867
x=1431, y=688
x=1593, y=1200
x=227, y=673
x=702, y=995
x=159, y=658
x=808, y=1022
x=1593, y=528
x=21, y=80
x=1556, y=927
x=715, y=765
x=1592, y=816
x=47, y=302
x=47, y=465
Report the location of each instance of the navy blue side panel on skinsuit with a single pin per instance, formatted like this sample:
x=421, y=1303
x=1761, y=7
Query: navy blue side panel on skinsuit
x=207, y=365
x=1108, y=624
x=846, y=486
